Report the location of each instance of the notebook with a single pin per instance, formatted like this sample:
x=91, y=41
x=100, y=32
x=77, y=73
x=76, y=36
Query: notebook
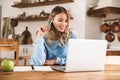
x=84, y=55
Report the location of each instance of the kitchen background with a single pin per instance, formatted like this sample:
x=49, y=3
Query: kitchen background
x=87, y=27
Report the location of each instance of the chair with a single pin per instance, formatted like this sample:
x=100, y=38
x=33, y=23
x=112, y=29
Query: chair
x=10, y=45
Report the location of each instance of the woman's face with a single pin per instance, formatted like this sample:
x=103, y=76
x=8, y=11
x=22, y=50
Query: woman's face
x=60, y=22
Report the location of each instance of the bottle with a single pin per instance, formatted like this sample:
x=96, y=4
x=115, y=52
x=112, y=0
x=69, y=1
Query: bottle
x=26, y=37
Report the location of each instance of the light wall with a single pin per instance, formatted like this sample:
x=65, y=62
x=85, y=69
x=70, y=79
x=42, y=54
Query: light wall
x=92, y=24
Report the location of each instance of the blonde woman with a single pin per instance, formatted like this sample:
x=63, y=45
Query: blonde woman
x=50, y=46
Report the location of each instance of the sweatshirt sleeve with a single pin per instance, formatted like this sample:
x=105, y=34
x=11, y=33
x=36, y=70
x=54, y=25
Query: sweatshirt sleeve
x=73, y=34
x=39, y=56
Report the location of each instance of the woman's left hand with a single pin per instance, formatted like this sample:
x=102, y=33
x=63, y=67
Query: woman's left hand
x=50, y=62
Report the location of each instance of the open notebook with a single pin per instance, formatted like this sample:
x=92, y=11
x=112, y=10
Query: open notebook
x=28, y=68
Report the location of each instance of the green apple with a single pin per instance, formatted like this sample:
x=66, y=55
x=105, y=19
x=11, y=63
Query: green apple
x=7, y=65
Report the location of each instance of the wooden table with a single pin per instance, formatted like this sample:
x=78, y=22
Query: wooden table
x=111, y=72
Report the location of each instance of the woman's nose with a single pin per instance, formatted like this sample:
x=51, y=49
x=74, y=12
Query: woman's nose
x=64, y=23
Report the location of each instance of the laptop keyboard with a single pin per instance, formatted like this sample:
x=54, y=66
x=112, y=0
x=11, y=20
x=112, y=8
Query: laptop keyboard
x=61, y=68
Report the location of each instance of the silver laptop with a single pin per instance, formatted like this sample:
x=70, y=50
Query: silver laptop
x=84, y=55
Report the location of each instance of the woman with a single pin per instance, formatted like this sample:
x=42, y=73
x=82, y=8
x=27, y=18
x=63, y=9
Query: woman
x=50, y=46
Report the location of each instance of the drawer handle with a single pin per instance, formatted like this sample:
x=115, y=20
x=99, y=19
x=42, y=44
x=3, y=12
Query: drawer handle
x=24, y=50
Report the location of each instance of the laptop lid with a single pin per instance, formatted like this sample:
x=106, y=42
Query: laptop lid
x=85, y=55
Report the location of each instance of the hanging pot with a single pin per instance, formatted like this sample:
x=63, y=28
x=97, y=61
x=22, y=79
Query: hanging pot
x=119, y=23
x=114, y=27
x=118, y=35
x=110, y=37
x=104, y=27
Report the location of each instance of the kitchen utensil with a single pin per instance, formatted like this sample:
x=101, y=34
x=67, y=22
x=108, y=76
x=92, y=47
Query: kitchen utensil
x=104, y=27
x=118, y=35
x=114, y=27
x=110, y=36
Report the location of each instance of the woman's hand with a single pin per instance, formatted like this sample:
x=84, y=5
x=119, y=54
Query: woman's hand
x=42, y=31
x=50, y=62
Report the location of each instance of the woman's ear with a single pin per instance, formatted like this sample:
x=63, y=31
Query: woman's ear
x=50, y=17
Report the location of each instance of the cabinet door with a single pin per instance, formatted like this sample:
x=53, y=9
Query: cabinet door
x=25, y=50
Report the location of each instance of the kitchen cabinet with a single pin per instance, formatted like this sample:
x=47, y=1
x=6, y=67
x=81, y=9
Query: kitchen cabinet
x=102, y=12
x=25, y=50
x=9, y=48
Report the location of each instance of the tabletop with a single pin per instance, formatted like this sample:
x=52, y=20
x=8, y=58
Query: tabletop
x=111, y=72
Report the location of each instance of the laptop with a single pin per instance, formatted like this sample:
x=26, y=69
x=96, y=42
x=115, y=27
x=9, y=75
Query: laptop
x=84, y=55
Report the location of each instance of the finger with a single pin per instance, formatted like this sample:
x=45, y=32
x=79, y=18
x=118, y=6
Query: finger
x=44, y=29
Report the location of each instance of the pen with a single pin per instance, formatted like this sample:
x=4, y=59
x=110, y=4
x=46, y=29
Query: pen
x=49, y=25
x=32, y=67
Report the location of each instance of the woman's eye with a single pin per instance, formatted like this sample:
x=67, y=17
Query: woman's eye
x=60, y=20
x=66, y=21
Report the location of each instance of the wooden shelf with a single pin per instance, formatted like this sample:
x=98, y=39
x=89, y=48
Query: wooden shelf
x=31, y=19
x=21, y=5
x=103, y=11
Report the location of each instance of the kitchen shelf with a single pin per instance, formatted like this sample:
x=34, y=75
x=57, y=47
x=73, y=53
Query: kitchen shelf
x=33, y=19
x=30, y=19
x=103, y=11
x=21, y=5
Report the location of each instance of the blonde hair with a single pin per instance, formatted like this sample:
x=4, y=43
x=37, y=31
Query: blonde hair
x=53, y=33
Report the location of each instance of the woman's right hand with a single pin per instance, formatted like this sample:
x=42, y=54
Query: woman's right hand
x=42, y=31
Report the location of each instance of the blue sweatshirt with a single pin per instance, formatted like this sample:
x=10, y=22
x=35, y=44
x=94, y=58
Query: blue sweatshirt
x=43, y=51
